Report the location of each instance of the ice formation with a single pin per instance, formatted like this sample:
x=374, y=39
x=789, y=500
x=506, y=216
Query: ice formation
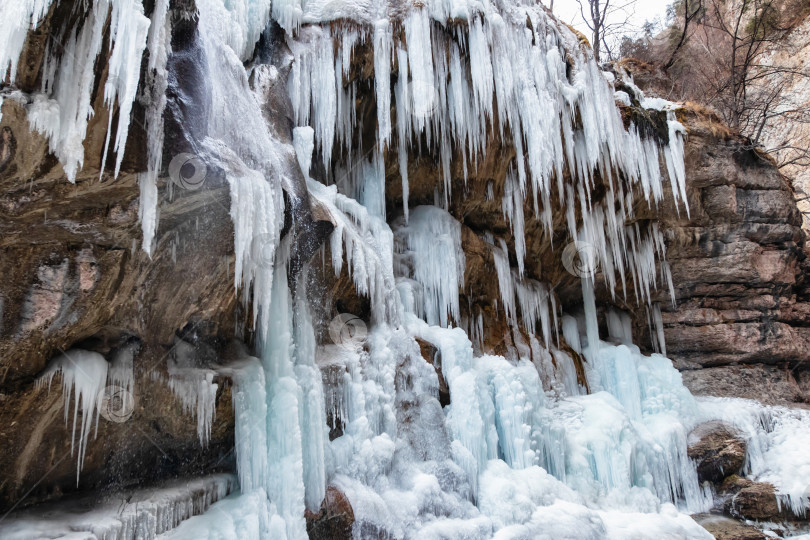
x=527, y=448
x=433, y=246
x=144, y=514
x=449, y=99
x=776, y=439
x=159, y=46
x=84, y=375
x=62, y=109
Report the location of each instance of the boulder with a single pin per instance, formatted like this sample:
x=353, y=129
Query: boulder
x=718, y=451
x=755, y=501
x=723, y=528
x=335, y=519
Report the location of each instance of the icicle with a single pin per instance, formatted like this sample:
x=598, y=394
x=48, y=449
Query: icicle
x=194, y=386
x=128, y=30
x=64, y=119
x=512, y=204
x=255, y=210
x=506, y=283
x=159, y=46
x=18, y=18
x=313, y=407
x=285, y=479
x=420, y=61
x=121, y=370
x=659, y=328
x=304, y=144
x=382, y=79
x=674, y=154
x=403, y=124
x=86, y=373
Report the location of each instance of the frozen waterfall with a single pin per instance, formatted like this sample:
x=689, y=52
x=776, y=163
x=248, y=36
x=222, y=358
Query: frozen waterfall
x=528, y=446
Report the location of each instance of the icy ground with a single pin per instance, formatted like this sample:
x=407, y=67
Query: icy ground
x=141, y=514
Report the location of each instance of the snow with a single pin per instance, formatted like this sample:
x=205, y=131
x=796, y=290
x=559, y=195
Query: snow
x=238, y=517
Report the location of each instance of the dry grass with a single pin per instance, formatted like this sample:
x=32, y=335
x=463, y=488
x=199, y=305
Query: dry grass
x=699, y=116
x=632, y=65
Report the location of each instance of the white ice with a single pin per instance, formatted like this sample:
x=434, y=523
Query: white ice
x=84, y=375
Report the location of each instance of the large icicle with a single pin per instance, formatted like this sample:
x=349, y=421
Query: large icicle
x=18, y=18
x=159, y=45
x=84, y=375
x=285, y=468
x=128, y=30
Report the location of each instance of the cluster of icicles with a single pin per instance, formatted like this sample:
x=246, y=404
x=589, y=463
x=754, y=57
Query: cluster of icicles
x=521, y=451
x=503, y=74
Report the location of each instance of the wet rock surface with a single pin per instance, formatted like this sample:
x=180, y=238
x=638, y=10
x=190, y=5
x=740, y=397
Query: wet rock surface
x=718, y=451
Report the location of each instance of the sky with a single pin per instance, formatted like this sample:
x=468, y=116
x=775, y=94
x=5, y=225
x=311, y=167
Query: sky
x=642, y=10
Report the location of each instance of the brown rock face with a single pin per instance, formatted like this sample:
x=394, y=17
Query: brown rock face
x=73, y=275
x=335, y=520
x=756, y=501
x=770, y=385
x=718, y=451
x=738, y=262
